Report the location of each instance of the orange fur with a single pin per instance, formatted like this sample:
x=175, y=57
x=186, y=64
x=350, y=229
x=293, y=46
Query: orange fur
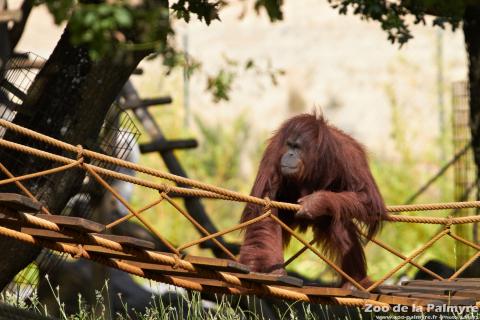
x=335, y=188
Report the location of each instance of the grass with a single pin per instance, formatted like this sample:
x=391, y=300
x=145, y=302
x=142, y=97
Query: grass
x=188, y=306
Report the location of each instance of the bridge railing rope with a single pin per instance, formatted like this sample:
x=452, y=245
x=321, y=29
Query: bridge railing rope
x=213, y=191
x=235, y=285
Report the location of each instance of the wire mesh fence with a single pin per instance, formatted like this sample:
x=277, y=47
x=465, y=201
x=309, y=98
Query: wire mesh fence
x=118, y=137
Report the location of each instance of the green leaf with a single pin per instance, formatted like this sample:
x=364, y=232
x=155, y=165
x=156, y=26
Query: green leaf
x=123, y=17
x=104, y=9
x=273, y=8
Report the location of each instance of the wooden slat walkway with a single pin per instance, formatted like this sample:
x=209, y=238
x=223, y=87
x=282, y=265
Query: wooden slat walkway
x=138, y=254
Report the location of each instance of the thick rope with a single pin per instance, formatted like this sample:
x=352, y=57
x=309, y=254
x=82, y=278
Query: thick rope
x=318, y=253
x=131, y=215
x=187, y=284
x=208, y=191
x=168, y=260
x=127, y=205
x=31, y=219
x=40, y=173
x=221, y=233
x=234, y=196
x=199, y=226
x=137, y=167
x=24, y=189
x=434, y=206
x=257, y=289
x=408, y=259
x=404, y=257
x=193, y=183
x=112, y=174
x=465, y=266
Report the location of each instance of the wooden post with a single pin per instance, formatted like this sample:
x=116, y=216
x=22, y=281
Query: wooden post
x=463, y=168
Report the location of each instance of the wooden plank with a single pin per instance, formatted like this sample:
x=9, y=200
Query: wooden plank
x=127, y=241
x=163, y=269
x=468, y=293
x=474, y=280
x=207, y=263
x=392, y=290
x=452, y=300
x=311, y=291
x=452, y=284
x=385, y=289
x=444, y=290
x=19, y=202
x=406, y=301
x=48, y=234
x=143, y=103
x=76, y=223
x=61, y=237
x=217, y=264
x=330, y=291
x=19, y=225
x=10, y=87
x=10, y=223
x=251, y=277
x=11, y=218
x=113, y=254
x=162, y=145
x=265, y=278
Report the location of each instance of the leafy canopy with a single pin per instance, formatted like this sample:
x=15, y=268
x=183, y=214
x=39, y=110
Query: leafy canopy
x=145, y=25
x=132, y=24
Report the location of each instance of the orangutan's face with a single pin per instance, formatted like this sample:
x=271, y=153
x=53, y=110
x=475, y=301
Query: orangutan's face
x=291, y=163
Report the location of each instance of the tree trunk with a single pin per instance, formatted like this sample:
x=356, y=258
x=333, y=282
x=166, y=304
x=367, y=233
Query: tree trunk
x=5, y=47
x=68, y=100
x=471, y=30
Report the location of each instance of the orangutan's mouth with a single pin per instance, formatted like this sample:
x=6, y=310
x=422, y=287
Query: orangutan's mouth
x=289, y=170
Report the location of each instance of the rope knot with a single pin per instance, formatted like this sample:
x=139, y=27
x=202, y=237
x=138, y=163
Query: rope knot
x=166, y=190
x=80, y=153
x=177, y=261
x=449, y=222
x=268, y=204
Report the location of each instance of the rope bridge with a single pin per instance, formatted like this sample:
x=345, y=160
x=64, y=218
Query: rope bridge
x=24, y=218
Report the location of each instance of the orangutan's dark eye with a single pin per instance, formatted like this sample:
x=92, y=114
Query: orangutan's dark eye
x=293, y=144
